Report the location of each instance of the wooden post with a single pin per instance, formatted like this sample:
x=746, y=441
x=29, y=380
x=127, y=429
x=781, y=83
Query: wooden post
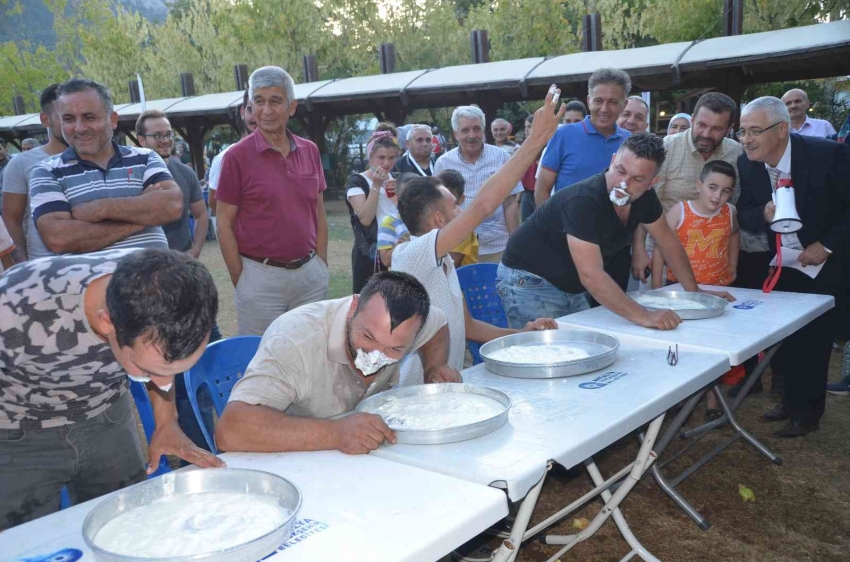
x=19, y=105
x=480, y=46
x=388, y=58
x=187, y=84
x=135, y=96
x=591, y=37
x=240, y=76
x=733, y=17
x=311, y=69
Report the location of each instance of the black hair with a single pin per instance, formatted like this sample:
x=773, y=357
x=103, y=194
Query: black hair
x=575, y=105
x=402, y=181
x=165, y=297
x=417, y=201
x=75, y=85
x=717, y=103
x=48, y=96
x=404, y=296
x=646, y=146
x=718, y=167
x=454, y=182
x=2, y=141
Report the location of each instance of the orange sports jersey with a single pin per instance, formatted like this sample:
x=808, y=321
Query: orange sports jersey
x=706, y=241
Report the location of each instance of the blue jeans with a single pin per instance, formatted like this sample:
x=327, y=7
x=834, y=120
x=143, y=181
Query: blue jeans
x=527, y=297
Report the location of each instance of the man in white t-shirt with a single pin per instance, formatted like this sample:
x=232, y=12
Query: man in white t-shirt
x=246, y=127
x=437, y=226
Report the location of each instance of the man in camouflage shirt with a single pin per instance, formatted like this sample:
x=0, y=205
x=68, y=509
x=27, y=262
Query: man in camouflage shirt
x=71, y=328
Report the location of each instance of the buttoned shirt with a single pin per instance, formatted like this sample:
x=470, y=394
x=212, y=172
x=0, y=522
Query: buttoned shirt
x=493, y=232
x=677, y=179
x=277, y=196
x=302, y=365
x=815, y=128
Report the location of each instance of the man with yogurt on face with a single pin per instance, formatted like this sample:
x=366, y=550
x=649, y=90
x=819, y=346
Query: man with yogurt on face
x=582, y=237
x=322, y=359
x=72, y=329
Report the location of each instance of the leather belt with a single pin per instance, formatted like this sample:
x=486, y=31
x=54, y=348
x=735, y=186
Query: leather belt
x=294, y=264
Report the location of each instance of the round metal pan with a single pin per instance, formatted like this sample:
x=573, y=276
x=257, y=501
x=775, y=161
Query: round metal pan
x=716, y=305
x=601, y=347
x=243, y=481
x=448, y=435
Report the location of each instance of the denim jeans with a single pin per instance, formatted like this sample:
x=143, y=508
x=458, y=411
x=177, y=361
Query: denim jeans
x=92, y=457
x=527, y=297
x=526, y=205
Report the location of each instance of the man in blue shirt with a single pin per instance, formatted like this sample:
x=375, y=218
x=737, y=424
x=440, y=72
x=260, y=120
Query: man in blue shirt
x=581, y=150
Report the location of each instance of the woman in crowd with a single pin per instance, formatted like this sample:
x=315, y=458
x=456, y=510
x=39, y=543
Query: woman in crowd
x=678, y=123
x=576, y=112
x=369, y=198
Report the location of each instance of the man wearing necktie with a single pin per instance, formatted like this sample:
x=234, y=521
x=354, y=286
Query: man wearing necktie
x=819, y=170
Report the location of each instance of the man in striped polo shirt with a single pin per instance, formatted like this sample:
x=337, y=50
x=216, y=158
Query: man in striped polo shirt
x=97, y=194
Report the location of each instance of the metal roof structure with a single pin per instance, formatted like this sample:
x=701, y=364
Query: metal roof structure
x=816, y=51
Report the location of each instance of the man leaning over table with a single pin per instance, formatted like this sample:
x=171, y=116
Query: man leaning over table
x=72, y=329
x=320, y=360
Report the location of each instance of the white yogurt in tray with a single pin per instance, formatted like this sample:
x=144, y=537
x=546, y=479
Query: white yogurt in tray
x=539, y=354
x=437, y=411
x=669, y=303
x=189, y=524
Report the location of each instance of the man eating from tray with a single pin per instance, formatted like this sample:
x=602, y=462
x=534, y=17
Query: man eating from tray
x=320, y=360
x=580, y=240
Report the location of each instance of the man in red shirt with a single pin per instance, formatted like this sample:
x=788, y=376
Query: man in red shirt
x=271, y=217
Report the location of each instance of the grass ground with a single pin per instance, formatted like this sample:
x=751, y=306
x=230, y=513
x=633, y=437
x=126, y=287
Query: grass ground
x=802, y=508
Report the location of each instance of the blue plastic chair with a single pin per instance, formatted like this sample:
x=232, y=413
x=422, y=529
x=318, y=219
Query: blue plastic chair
x=143, y=406
x=478, y=283
x=220, y=367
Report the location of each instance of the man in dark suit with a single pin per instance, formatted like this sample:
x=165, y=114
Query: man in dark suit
x=820, y=172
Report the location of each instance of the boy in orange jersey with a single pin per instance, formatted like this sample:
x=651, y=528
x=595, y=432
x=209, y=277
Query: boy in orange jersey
x=708, y=229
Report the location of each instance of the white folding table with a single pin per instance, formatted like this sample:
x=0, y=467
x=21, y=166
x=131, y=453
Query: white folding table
x=567, y=421
x=355, y=508
x=755, y=322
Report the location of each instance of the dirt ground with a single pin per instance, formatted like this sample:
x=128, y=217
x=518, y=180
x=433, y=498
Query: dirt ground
x=802, y=508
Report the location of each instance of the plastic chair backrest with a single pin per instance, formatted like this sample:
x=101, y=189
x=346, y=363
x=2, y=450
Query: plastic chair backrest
x=478, y=283
x=220, y=367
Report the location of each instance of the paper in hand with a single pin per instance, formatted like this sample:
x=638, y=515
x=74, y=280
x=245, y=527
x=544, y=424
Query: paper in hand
x=789, y=260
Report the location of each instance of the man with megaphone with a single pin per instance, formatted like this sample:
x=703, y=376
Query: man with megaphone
x=797, y=190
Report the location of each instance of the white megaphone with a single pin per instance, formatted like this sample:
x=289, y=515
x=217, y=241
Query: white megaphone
x=785, y=218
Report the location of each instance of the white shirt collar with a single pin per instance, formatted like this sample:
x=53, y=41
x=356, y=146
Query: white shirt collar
x=784, y=164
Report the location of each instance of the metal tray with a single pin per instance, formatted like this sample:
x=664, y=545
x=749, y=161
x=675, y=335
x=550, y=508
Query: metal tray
x=192, y=482
x=716, y=305
x=602, y=348
x=448, y=435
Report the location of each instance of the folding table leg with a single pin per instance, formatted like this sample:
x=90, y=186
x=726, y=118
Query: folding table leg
x=508, y=550
x=644, y=460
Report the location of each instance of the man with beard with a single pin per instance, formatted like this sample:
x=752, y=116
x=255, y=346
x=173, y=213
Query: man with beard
x=320, y=360
x=687, y=154
x=16, y=182
x=418, y=159
x=153, y=129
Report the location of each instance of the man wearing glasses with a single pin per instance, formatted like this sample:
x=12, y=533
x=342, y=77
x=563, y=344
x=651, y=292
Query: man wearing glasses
x=819, y=170
x=153, y=129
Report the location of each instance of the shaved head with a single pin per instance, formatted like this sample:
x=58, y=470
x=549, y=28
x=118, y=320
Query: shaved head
x=794, y=93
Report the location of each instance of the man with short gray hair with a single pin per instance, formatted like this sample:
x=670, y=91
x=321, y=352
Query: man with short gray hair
x=501, y=130
x=635, y=117
x=581, y=150
x=797, y=102
x=818, y=170
x=29, y=144
x=271, y=216
x=476, y=162
x=418, y=159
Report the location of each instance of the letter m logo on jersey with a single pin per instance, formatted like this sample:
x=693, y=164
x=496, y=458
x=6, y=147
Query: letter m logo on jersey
x=709, y=246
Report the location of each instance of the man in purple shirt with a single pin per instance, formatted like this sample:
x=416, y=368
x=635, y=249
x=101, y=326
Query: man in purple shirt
x=797, y=102
x=271, y=217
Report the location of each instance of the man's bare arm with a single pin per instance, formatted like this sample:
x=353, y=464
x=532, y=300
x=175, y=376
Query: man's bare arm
x=202, y=223
x=161, y=203
x=227, y=240
x=14, y=211
x=543, y=186
x=62, y=234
